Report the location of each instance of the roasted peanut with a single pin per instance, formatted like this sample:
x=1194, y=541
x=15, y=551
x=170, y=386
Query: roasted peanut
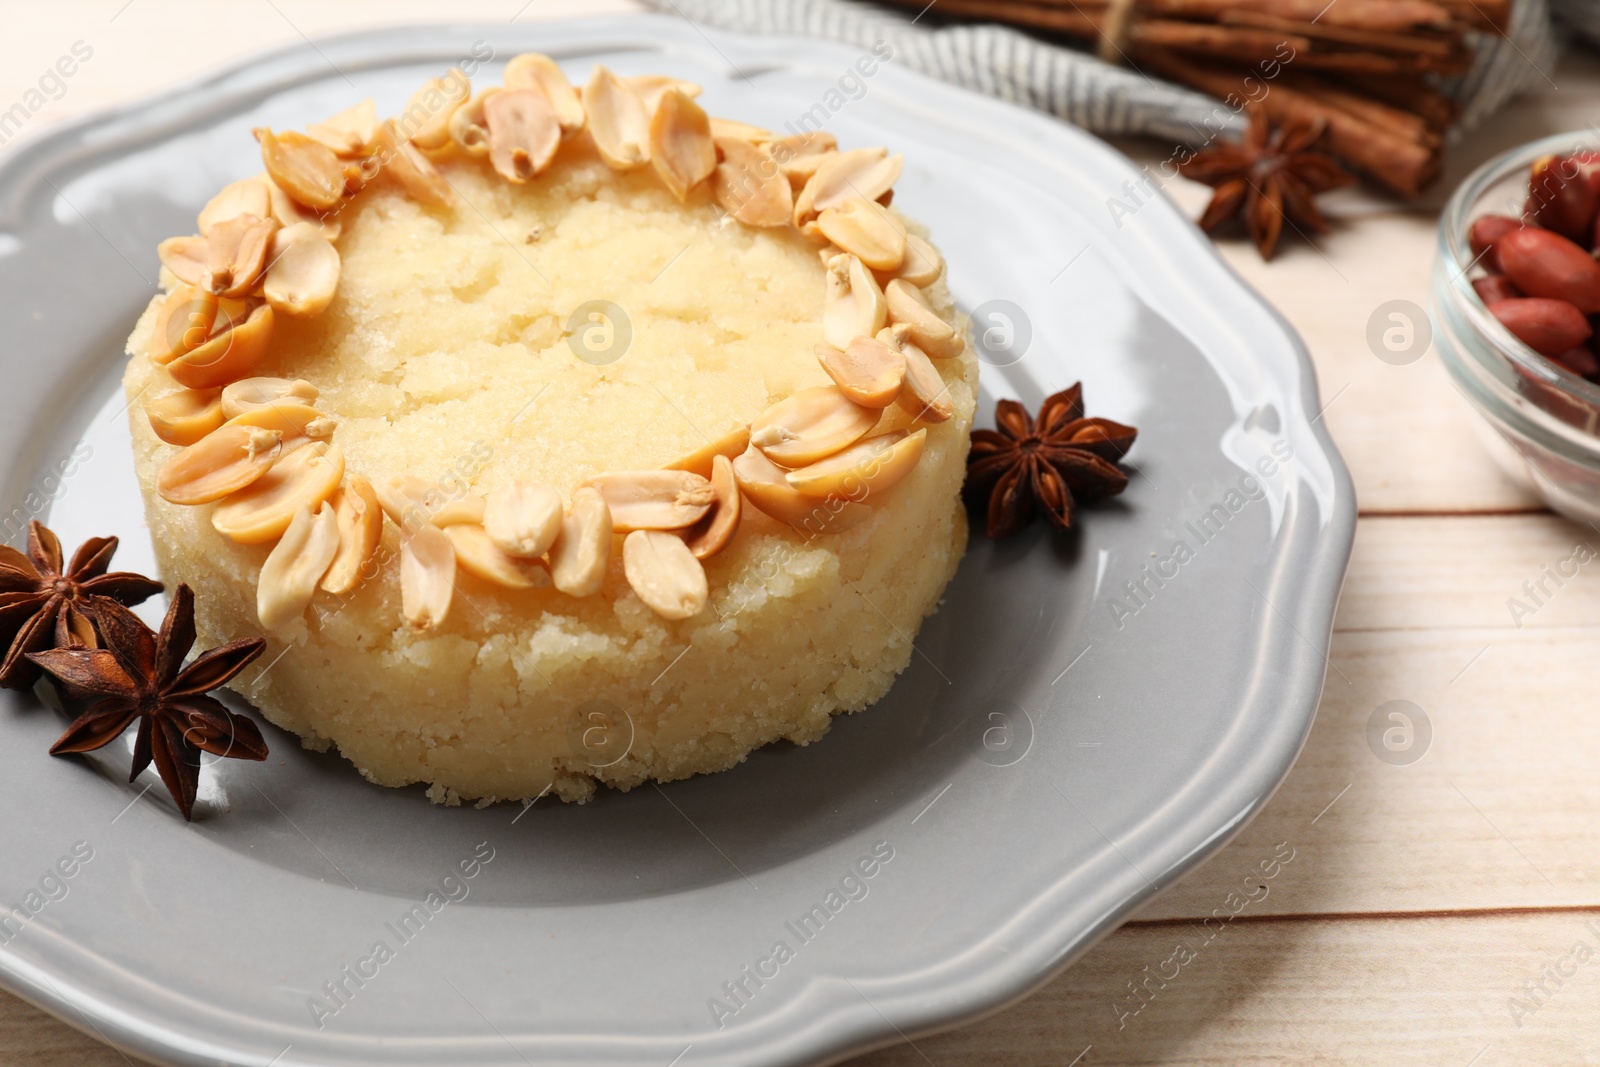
x=700, y=461
x=664, y=574
x=288, y=212
x=249, y=394
x=534, y=71
x=411, y=501
x=236, y=254
x=922, y=265
x=766, y=485
x=853, y=305
x=1547, y=326
x=185, y=417
x=426, y=120
x=360, y=522
x=864, y=172
x=749, y=184
x=867, y=371
x=652, y=87
x=427, y=576
x=578, y=558
x=618, y=120
x=681, y=150
x=908, y=304
x=523, y=518
x=1562, y=198
x=305, y=169
x=290, y=574
x=246, y=197
x=799, y=155
x=654, y=500
x=222, y=462
x=1545, y=264
x=304, y=274
x=1484, y=232
x=925, y=394
x=1580, y=361
x=469, y=126
x=1492, y=288
x=478, y=555
x=411, y=169
x=183, y=323
x=263, y=510
x=732, y=129
x=865, y=468
x=228, y=355
x=866, y=230
x=348, y=134
x=524, y=133
x=809, y=425
x=185, y=257
x=711, y=534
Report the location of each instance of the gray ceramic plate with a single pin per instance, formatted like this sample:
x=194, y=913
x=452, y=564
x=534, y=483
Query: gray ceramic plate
x=1063, y=745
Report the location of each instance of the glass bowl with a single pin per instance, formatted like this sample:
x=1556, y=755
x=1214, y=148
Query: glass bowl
x=1549, y=416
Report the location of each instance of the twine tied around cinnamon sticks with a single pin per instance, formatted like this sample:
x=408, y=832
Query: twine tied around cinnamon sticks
x=1116, y=30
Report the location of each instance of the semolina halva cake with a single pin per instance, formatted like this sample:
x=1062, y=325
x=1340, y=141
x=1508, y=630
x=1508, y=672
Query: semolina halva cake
x=555, y=436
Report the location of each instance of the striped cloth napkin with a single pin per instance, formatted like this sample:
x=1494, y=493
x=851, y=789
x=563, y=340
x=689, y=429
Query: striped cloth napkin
x=1111, y=100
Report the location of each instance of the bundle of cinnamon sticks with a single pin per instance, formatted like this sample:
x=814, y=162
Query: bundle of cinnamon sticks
x=1366, y=68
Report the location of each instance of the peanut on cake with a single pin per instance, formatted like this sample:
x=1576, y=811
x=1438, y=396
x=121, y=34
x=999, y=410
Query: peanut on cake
x=555, y=435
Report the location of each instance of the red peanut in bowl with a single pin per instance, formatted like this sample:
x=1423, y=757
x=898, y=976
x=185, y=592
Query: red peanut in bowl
x=1516, y=302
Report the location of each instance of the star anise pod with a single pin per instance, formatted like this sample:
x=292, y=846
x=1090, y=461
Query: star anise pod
x=43, y=606
x=1047, y=464
x=140, y=675
x=1270, y=176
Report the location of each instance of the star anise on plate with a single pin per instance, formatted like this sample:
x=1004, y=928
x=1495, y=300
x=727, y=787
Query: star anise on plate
x=45, y=606
x=1270, y=176
x=1047, y=464
x=140, y=675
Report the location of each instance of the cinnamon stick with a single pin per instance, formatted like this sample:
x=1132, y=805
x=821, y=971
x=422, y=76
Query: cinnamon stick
x=1383, y=40
x=1359, y=66
x=1384, y=156
x=1383, y=116
x=1377, y=63
x=1492, y=15
x=1247, y=45
x=1396, y=16
x=1435, y=108
x=1211, y=40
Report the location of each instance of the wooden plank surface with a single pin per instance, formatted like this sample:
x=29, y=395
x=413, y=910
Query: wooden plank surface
x=1296, y=993
x=1499, y=809
x=1432, y=910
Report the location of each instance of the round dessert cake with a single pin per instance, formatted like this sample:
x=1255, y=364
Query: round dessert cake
x=555, y=435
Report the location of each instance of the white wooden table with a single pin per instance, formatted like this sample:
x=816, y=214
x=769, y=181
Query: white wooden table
x=1432, y=913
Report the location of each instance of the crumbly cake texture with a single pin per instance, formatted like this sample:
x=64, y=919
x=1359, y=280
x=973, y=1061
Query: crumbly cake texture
x=445, y=355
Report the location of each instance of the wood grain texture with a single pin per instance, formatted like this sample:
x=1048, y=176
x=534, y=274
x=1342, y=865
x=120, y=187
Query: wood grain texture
x=1471, y=572
x=31, y=1038
x=1500, y=810
x=1420, y=899
x=1291, y=993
